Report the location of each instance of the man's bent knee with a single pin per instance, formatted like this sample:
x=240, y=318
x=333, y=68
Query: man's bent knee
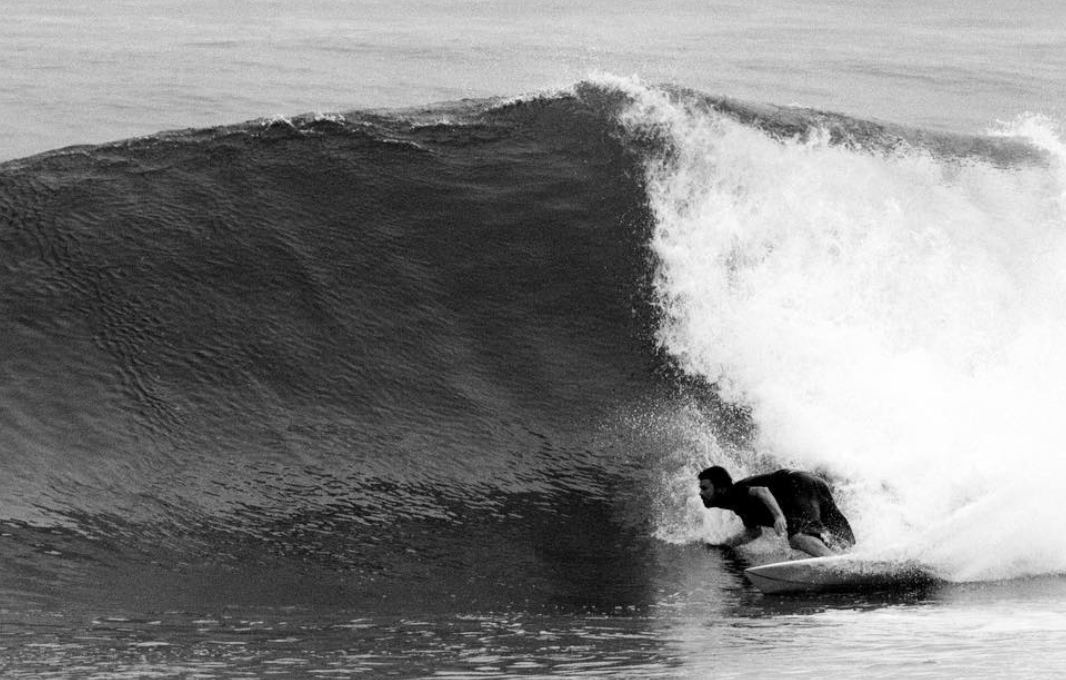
x=810, y=545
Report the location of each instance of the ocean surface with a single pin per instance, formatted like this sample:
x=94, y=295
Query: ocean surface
x=358, y=340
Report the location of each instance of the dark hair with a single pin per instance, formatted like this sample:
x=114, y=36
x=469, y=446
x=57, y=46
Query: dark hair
x=719, y=477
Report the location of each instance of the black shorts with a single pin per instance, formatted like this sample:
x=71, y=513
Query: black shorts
x=811, y=510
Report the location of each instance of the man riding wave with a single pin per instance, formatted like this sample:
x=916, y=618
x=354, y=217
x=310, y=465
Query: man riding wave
x=794, y=503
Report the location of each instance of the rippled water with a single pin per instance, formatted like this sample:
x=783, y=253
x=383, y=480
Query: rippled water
x=708, y=627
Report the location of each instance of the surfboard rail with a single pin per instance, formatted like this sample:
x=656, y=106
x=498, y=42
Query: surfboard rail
x=838, y=573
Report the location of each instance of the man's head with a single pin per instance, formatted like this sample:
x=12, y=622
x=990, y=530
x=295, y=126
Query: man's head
x=714, y=481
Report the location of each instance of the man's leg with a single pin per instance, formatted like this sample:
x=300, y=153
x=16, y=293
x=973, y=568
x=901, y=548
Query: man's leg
x=810, y=545
x=837, y=523
x=822, y=520
x=805, y=516
x=834, y=520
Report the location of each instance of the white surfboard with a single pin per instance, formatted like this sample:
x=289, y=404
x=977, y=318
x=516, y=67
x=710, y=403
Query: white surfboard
x=838, y=573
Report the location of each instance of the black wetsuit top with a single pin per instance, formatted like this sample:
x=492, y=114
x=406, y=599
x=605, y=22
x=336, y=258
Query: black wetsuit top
x=804, y=498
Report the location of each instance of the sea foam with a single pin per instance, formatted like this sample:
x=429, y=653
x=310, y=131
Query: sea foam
x=892, y=316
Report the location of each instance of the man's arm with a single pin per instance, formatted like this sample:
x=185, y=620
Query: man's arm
x=763, y=494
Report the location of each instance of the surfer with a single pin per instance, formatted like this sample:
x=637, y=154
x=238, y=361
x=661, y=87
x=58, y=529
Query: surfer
x=797, y=504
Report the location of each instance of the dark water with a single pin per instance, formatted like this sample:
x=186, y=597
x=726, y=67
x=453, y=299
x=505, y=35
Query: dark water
x=378, y=393
x=388, y=348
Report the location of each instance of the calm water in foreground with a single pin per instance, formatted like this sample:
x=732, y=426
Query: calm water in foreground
x=704, y=621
